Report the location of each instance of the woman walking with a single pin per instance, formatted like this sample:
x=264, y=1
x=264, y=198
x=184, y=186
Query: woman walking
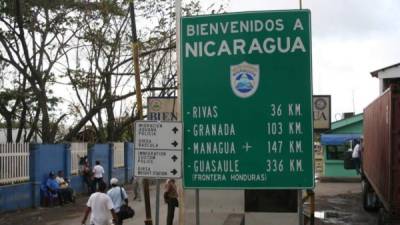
x=171, y=198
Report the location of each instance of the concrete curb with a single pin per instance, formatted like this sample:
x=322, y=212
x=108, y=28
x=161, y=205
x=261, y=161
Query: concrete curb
x=339, y=179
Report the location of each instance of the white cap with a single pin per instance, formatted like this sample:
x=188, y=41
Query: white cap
x=114, y=180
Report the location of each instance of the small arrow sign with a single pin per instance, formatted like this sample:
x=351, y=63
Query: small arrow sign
x=175, y=130
x=174, y=172
x=174, y=158
x=174, y=143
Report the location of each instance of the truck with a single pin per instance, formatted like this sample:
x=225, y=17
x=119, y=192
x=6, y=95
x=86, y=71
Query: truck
x=380, y=177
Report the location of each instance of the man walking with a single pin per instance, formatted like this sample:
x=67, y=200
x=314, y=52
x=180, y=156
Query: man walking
x=356, y=156
x=98, y=172
x=99, y=205
x=118, y=197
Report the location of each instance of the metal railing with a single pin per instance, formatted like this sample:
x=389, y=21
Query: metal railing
x=78, y=150
x=118, y=154
x=14, y=163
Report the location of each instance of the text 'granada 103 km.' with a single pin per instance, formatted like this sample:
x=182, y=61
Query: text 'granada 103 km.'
x=247, y=100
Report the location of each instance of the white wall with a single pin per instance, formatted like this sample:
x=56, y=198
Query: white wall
x=393, y=72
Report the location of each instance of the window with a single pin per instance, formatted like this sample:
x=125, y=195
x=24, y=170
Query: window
x=270, y=200
x=336, y=152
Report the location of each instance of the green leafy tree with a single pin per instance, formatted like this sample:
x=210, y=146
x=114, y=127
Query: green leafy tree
x=34, y=38
x=85, y=47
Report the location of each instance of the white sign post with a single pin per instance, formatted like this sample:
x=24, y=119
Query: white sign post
x=158, y=149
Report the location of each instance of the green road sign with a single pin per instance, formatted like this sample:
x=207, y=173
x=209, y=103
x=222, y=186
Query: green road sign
x=246, y=96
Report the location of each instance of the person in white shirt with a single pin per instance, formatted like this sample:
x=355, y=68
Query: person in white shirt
x=99, y=206
x=119, y=197
x=98, y=172
x=356, y=156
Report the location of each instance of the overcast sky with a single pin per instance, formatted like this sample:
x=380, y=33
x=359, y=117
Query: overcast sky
x=351, y=38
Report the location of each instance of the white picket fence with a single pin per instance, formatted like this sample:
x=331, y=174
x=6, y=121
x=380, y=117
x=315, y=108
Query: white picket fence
x=14, y=160
x=14, y=163
x=78, y=150
x=118, y=154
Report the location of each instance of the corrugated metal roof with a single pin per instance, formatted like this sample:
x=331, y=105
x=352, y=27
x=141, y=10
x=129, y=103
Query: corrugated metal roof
x=375, y=73
x=346, y=122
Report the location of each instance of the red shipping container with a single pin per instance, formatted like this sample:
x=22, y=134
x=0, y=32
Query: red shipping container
x=381, y=153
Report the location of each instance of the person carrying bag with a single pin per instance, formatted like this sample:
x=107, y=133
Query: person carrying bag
x=171, y=198
x=120, y=200
x=125, y=210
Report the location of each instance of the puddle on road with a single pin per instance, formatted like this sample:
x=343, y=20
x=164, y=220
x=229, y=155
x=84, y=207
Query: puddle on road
x=338, y=201
x=333, y=217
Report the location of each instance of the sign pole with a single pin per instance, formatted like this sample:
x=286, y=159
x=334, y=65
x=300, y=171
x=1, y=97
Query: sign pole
x=178, y=14
x=178, y=48
x=300, y=206
x=158, y=201
x=135, y=46
x=299, y=192
x=197, y=207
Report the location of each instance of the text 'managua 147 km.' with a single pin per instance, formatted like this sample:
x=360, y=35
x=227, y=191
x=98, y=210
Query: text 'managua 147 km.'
x=247, y=100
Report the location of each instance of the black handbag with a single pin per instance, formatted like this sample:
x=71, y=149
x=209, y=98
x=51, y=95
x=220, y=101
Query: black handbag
x=175, y=202
x=168, y=200
x=125, y=210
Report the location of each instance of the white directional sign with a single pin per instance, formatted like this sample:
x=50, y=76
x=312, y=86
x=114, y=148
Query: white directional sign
x=158, y=163
x=158, y=135
x=158, y=149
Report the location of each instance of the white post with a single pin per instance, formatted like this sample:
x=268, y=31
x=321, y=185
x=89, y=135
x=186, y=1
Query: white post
x=178, y=49
x=178, y=11
x=157, y=201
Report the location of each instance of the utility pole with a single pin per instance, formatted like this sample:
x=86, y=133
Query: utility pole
x=135, y=48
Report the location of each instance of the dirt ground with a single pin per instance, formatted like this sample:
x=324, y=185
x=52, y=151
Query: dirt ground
x=41, y=216
x=72, y=213
x=337, y=203
x=340, y=204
